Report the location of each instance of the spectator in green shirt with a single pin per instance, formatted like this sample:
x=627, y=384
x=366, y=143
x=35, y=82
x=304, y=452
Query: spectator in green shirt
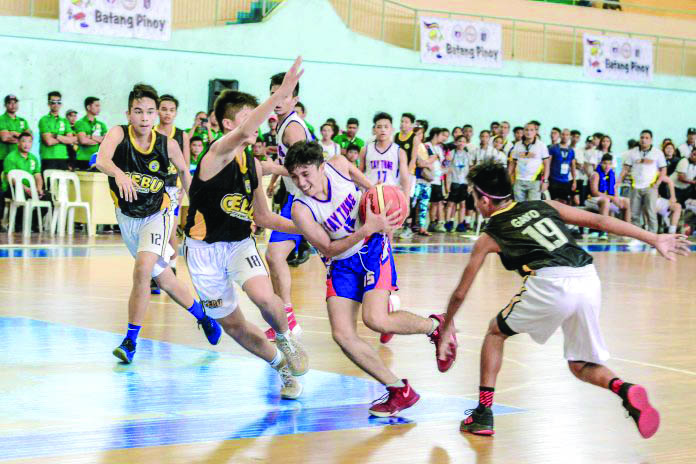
x=302, y=112
x=56, y=135
x=90, y=133
x=24, y=161
x=350, y=137
x=11, y=126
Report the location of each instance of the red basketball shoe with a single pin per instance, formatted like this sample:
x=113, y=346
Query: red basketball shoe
x=292, y=325
x=395, y=400
x=443, y=366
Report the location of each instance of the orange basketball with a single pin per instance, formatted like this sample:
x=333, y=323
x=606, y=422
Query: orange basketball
x=379, y=196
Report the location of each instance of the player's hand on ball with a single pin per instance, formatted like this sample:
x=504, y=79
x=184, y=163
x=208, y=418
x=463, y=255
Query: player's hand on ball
x=669, y=245
x=376, y=223
x=127, y=188
x=292, y=77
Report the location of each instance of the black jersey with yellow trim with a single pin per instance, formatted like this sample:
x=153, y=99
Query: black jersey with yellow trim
x=147, y=168
x=406, y=144
x=172, y=173
x=221, y=209
x=531, y=235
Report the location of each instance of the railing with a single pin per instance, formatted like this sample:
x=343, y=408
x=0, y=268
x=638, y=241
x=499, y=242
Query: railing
x=685, y=9
x=524, y=40
x=185, y=13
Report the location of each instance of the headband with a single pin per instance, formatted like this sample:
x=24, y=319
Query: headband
x=491, y=196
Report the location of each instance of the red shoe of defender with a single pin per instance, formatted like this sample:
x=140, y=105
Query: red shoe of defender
x=292, y=325
x=636, y=403
x=394, y=304
x=443, y=366
x=395, y=400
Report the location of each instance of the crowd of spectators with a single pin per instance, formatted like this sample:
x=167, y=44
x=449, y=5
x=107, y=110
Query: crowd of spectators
x=655, y=181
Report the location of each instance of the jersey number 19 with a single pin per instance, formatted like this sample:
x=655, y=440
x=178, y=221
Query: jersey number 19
x=546, y=233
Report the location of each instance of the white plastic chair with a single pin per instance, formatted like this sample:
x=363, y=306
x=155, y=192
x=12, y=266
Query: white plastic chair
x=15, y=178
x=64, y=215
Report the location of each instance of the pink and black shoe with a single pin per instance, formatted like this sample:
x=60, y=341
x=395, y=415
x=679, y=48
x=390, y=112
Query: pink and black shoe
x=479, y=421
x=635, y=400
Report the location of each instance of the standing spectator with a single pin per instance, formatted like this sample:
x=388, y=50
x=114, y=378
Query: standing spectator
x=456, y=132
x=404, y=138
x=592, y=154
x=498, y=145
x=530, y=165
x=197, y=148
x=581, y=180
x=494, y=128
x=562, y=182
x=214, y=126
x=270, y=138
x=468, y=132
x=605, y=144
x=574, y=140
x=424, y=176
x=56, y=134
x=71, y=116
x=351, y=136
x=555, y=136
x=332, y=121
x=647, y=166
x=202, y=129
x=330, y=147
x=11, y=126
x=90, y=133
x=687, y=147
x=435, y=149
x=485, y=149
x=684, y=178
x=458, y=200
x=517, y=133
x=505, y=134
x=302, y=112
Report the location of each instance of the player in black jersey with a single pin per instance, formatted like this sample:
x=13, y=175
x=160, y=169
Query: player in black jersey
x=136, y=158
x=167, y=108
x=226, y=196
x=561, y=289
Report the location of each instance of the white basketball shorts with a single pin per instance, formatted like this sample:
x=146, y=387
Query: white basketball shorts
x=214, y=267
x=148, y=234
x=565, y=297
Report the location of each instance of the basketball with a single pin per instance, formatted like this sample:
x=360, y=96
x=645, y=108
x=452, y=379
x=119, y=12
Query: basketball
x=379, y=196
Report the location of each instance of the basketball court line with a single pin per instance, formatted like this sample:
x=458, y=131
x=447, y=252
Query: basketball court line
x=56, y=403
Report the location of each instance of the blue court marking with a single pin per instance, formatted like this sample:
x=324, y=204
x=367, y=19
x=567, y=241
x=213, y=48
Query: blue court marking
x=93, y=251
x=64, y=393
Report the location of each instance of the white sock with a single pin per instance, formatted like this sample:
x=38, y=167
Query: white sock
x=436, y=324
x=283, y=336
x=672, y=229
x=399, y=384
x=278, y=358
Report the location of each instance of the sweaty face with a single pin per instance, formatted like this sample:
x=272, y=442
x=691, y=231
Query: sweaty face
x=383, y=130
x=142, y=115
x=167, y=112
x=286, y=105
x=308, y=178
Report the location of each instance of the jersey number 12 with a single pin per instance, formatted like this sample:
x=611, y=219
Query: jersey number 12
x=547, y=234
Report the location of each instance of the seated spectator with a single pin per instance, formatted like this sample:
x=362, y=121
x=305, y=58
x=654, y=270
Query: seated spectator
x=687, y=147
x=197, y=148
x=56, y=134
x=671, y=157
x=562, y=180
x=27, y=162
x=667, y=206
x=11, y=126
x=604, y=195
x=202, y=129
x=645, y=163
x=684, y=178
x=351, y=136
x=90, y=133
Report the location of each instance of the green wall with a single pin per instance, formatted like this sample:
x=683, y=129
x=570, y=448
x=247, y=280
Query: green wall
x=346, y=75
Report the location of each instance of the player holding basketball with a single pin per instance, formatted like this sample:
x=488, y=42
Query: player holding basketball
x=226, y=196
x=291, y=129
x=561, y=289
x=136, y=158
x=361, y=266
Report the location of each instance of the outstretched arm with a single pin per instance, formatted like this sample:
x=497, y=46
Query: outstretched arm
x=668, y=245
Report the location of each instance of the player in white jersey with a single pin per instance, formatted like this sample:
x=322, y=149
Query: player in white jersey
x=383, y=161
x=291, y=129
x=361, y=266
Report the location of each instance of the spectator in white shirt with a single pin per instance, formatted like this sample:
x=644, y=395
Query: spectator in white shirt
x=646, y=165
x=505, y=134
x=468, y=132
x=530, y=165
x=485, y=149
x=687, y=147
x=517, y=133
x=684, y=178
x=500, y=155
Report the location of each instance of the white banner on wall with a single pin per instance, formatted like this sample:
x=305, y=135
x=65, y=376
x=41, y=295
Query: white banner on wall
x=461, y=43
x=617, y=58
x=139, y=19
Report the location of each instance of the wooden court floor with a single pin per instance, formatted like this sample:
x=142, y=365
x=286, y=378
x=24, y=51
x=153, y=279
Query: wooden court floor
x=649, y=323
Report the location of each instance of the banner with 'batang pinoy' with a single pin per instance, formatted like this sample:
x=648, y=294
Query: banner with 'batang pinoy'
x=461, y=43
x=138, y=19
x=617, y=58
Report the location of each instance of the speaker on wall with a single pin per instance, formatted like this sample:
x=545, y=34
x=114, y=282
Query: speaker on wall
x=216, y=86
